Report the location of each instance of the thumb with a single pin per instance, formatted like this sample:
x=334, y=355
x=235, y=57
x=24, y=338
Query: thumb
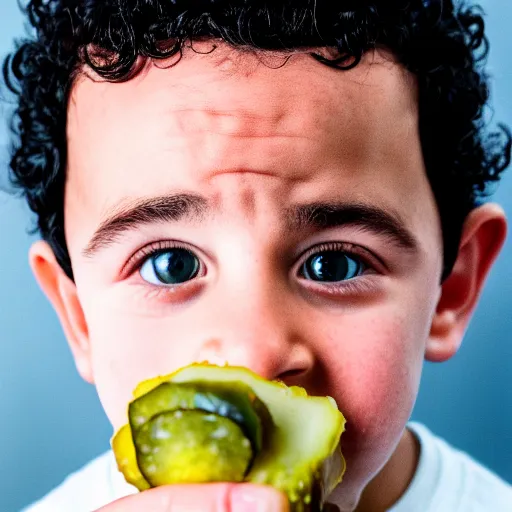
x=220, y=497
x=255, y=498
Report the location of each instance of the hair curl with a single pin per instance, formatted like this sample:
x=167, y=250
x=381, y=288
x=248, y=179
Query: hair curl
x=442, y=43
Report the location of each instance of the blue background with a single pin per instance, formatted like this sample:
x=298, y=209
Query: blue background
x=52, y=422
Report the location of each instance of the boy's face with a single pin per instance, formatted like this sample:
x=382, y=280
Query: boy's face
x=308, y=244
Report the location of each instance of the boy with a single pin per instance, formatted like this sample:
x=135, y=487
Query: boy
x=287, y=186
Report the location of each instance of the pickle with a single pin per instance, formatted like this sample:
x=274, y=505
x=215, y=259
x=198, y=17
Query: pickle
x=233, y=400
x=203, y=448
x=126, y=458
x=206, y=423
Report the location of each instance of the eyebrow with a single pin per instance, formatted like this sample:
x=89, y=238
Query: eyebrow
x=171, y=208
x=321, y=216
x=315, y=216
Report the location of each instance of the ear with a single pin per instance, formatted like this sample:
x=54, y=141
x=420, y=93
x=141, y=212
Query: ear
x=483, y=235
x=62, y=293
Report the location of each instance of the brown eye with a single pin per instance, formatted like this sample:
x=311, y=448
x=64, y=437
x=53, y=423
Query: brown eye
x=170, y=267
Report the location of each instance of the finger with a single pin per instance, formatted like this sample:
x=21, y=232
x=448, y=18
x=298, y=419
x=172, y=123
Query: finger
x=256, y=498
x=222, y=497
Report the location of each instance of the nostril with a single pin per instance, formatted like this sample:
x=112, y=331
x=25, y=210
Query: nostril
x=296, y=364
x=291, y=373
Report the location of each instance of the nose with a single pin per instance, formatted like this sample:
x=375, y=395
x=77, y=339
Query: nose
x=258, y=329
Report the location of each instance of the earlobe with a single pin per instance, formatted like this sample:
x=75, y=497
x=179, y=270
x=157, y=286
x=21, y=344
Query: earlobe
x=62, y=294
x=483, y=235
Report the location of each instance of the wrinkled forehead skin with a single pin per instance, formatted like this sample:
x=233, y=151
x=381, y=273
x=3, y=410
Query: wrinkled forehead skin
x=223, y=116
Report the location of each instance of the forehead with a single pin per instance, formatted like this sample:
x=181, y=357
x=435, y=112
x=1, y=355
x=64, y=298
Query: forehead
x=314, y=128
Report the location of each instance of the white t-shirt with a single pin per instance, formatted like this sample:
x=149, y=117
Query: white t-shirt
x=446, y=480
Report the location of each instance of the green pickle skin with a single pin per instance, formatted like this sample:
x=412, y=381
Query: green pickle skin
x=192, y=447
x=206, y=423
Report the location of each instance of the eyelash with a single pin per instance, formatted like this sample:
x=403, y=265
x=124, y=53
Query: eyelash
x=350, y=287
x=352, y=250
x=142, y=255
x=368, y=260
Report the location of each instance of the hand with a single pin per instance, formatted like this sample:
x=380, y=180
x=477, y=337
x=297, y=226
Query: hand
x=223, y=497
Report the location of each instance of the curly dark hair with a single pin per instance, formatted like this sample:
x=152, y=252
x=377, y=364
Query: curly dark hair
x=443, y=43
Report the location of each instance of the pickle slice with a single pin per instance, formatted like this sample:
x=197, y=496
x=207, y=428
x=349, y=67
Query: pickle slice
x=126, y=458
x=302, y=456
x=277, y=435
x=233, y=400
x=192, y=447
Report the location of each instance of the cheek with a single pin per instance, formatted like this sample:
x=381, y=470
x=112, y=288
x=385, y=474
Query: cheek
x=375, y=379
x=119, y=363
x=126, y=349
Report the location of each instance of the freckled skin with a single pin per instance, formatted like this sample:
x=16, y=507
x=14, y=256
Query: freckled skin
x=255, y=142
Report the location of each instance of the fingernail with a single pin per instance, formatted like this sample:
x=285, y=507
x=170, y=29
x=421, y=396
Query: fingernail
x=251, y=498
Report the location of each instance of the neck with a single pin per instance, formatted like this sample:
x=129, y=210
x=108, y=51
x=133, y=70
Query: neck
x=389, y=485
